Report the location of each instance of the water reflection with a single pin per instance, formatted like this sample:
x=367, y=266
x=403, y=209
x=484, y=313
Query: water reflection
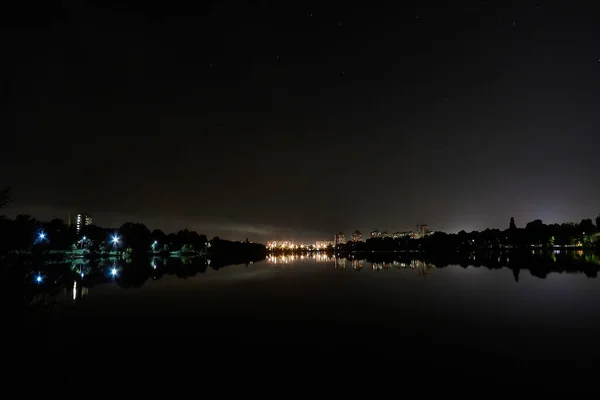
x=76, y=278
x=76, y=291
x=357, y=263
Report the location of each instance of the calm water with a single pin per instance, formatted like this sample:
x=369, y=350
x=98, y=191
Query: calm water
x=332, y=316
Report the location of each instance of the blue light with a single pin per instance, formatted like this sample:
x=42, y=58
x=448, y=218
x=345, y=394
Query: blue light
x=113, y=272
x=38, y=279
x=82, y=274
x=83, y=238
x=42, y=235
x=115, y=239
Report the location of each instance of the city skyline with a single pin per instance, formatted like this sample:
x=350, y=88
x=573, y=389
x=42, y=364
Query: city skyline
x=340, y=238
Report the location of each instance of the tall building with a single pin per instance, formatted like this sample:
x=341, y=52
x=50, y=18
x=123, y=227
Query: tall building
x=423, y=230
x=357, y=236
x=339, y=238
x=80, y=220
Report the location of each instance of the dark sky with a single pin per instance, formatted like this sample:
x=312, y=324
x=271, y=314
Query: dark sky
x=297, y=119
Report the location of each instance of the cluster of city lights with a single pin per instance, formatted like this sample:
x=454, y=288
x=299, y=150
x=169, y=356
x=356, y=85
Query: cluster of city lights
x=285, y=245
x=289, y=245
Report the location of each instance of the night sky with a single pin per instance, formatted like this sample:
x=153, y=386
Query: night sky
x=296, y=120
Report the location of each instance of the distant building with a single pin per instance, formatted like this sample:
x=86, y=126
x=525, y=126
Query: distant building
x=422, y=230
x=375, y=234
x=357, y=236
x=80, y=220
x=339, y=238
x=323, y=244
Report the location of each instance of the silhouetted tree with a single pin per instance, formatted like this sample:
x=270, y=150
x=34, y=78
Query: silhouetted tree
x=512, y=225
x=587, y=226
x=97, y=238
x=598, y=222
x=60, y=235
x=136, y=237
x=174, y=243
x=4, y=197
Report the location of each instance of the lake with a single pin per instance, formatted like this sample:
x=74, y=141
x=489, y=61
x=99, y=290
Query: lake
x=289, y=314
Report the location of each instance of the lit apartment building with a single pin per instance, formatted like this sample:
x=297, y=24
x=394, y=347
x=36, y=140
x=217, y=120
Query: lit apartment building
x=80, y=220
x=339, y=238
x=357, y=236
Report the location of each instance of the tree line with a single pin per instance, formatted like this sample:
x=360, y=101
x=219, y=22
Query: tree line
x=25, y=234
x=535, y=234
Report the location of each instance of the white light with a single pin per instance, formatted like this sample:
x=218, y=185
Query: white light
x=42, y=236
x=38, y=279
x=83, y=238
x=115, y=239
x=82, y=274
x=114, y=272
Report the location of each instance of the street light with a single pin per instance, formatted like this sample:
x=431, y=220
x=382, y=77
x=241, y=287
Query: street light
x=42, y=235
x=115, y=240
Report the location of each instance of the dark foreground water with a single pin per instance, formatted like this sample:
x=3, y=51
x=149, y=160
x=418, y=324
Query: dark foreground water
x=289, y=316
